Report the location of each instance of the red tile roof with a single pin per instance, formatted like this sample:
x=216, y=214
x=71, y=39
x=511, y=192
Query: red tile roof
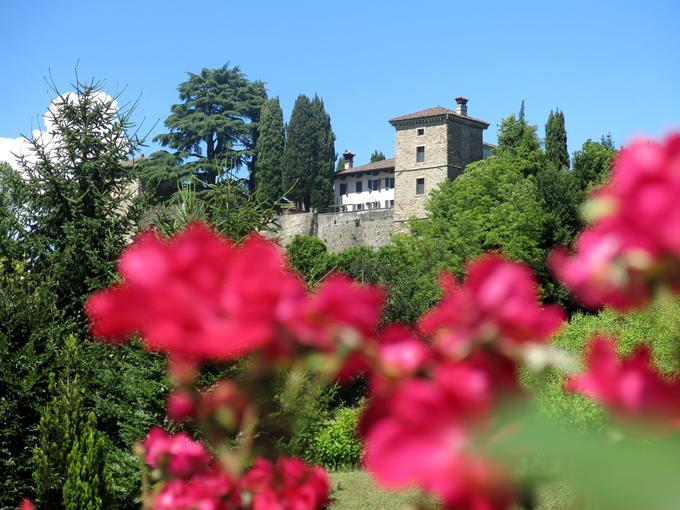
x=435, y=111
x=384, y=165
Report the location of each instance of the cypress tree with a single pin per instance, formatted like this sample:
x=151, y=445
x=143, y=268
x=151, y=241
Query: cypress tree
x=270, y=150
x=85, y=486
x=69, y=459
x=298, y=156
x=321, y=194
x=556, y=140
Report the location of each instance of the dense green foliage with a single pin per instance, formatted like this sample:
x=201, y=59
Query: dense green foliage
x=337, y=446
x=309, y=156
x=556, y=140
x=270, y=148
x=216, y=121
x=592, y=164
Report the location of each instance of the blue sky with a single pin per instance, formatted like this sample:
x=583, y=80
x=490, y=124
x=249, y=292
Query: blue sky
x=610, y=66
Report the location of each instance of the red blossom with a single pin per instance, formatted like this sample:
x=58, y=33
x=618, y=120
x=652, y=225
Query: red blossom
x=497, y=303
x=225, y=402
x=209, y=490
x=177, y=454
x=424, y=439
x=339, y=306
x=196, y=296
x=180, y=405
x=287, y=485
x=27, y=504
x=630, y=386
x=633, y=245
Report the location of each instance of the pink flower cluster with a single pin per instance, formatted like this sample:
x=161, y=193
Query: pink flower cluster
x=632, y=387
x=634, y=245
x=429, y=419
x=194, y=480
x=198, y=297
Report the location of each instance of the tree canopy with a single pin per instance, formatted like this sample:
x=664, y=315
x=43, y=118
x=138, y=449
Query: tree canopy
x=216, y=121
x=556, y=140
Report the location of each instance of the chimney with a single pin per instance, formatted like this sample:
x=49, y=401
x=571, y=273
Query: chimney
x=461, y=106
x=349, y=159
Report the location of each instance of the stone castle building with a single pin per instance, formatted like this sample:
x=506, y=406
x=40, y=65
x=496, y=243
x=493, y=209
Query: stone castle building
x=373, y=201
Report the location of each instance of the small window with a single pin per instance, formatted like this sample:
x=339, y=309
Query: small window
x=391, y=203
x=360, y=186
x=421, y=131
x=359, y=207
x=389, y=182
x=420, y=154
x=420, y=186
x=374, y=184
x=343, y=188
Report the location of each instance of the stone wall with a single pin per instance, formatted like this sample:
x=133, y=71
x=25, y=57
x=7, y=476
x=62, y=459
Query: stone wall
x=339, y=230
x=293, y=224
x=360, y=228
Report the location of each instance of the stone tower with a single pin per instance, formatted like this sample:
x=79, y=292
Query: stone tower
x=432, y=145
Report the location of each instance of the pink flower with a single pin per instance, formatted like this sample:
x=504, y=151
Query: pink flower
x=287, y=485
x=180, y=405
x=196, y=296
x=224, y=402
x=497, y=303
x=27, y=504
x=633, y=245
x=630, y=386
x=339, y=306
x=209, y=490
x=178, y=454
x=424, y=439
x=400, y=352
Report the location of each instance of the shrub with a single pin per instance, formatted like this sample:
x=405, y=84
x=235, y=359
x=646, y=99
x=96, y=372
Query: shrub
x=337, y=446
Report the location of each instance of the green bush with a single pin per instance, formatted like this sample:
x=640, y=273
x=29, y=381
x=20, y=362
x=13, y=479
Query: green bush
x=337, y=445
x=655, y=325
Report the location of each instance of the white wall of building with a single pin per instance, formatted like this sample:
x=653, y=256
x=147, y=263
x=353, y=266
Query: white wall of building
x=383, y=196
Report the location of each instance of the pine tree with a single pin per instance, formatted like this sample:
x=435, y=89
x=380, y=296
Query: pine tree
x=298, y=156
x=556, y=140
x=270, y=149
x=321, y=194
x=521, y=116
x=80, y=198
x=377, y=156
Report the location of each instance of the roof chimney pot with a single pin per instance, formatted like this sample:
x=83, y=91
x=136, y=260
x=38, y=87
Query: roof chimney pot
x=461, y=106
x=348, y=158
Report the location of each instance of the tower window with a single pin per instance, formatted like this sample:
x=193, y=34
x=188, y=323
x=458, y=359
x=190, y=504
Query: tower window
x=421, y=131
x=420, y=154
x=420, y=186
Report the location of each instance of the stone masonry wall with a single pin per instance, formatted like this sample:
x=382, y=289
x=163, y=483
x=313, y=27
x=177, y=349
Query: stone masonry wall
x=359, y=228
x=339, y=230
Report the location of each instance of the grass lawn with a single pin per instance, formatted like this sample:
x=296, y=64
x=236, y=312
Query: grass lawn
x=354, y=490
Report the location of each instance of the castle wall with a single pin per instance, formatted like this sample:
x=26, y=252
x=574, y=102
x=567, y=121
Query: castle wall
x=361, y=228
x=291, y=225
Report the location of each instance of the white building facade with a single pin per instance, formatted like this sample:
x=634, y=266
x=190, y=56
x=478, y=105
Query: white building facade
x=365, y=187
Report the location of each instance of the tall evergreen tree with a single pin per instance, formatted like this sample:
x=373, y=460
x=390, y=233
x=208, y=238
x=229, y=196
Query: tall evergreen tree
x=69, y=460
x=270, y=149
x=298, y=156
x=321, y=194
x=517, y=140
x=377, y=156
x=556, y=140
x=521, y=115
x=216, y=121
